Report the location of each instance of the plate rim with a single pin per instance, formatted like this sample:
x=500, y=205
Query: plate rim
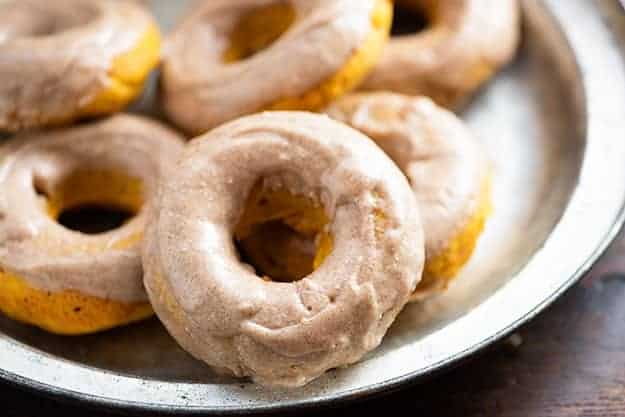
x=566, y=29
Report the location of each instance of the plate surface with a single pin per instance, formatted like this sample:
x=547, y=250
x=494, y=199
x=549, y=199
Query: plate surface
x=553, y=123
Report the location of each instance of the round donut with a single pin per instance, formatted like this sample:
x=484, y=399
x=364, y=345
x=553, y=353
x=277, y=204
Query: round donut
x=232, y=58
x=321, y=179
x=63, y=280
x=464, y=44
x=446, y=167
x=63, y=60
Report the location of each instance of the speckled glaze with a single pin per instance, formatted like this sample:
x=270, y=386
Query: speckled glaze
x=282, y=334
x=56, y=55
x=466, y=42
x=48, y=256
x=446, y=167
x=201, y=91
x=552, y=120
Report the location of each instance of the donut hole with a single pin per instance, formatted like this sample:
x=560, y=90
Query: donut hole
x=277, y=252
x=94, y=218
x=257, y=30
x=91, y=202
x=409, y=19
x=283, y=236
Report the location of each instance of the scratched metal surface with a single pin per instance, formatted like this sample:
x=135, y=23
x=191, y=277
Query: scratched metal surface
x=553, y=123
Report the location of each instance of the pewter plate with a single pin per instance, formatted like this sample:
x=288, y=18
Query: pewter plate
x=554, y=124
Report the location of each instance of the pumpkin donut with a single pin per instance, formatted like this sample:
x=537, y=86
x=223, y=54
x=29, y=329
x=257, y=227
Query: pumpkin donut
x=321, y=179
x=63, y=60
x=59, y=279
x=229, y=58
x=464, y=44
x=446, y=167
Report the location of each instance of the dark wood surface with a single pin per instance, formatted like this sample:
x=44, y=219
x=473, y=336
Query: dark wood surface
x=569, y=361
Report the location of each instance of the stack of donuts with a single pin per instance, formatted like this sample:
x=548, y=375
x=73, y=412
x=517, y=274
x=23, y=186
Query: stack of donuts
x=312, y=183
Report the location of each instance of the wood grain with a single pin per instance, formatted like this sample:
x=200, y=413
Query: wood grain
x=570, y=361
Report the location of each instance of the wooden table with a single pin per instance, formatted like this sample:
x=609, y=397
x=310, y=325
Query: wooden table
x=570, y=361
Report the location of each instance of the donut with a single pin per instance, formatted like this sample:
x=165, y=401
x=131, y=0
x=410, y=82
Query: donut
x=447, y=168
x=323, y=180
x=63, y=280
x=64, y=60
x=232, y=58
x=464, y=43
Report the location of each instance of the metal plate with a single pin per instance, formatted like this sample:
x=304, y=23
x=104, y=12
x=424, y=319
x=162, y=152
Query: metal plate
x=554, y=124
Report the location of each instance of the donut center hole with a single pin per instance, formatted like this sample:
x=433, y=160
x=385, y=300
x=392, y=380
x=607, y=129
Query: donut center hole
x=408, y=20
x=91, y=202
x=257, y=30
x=283, y=236
x=93, y=218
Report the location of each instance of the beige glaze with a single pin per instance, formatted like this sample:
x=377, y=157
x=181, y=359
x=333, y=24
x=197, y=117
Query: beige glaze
x=446, y=167
x=47, y=255
x=464, y=44
x=56, y=55
x=201, y=91
x=282, y=334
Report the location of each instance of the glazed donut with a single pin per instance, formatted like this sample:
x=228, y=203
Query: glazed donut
x=446, y=167
x=59, y=279
x=465, y=43
x=231, y=58
x=63, y=60
x=323, y=180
